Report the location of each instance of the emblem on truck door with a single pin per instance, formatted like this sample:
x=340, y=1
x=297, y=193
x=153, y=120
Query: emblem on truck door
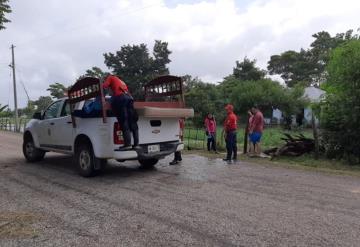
x=156, y=131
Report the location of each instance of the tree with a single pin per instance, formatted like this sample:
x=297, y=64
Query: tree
x=340, y=114
x=42, y=103
x=135, y=65
x=247, y=71
x=323, y=44
x=267, y=94
x=57, y=90
x=29, y=109
x=204, y=98
x=293, y=67
x=308, y=66
x=4, y=9
x=161, y=55
x=93, y=72
x=190, y=82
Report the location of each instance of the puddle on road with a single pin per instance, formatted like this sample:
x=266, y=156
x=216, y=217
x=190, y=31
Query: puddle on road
x=356, y=191
x=201, y=168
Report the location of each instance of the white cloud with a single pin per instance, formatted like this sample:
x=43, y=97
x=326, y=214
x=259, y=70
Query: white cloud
x=58, y=40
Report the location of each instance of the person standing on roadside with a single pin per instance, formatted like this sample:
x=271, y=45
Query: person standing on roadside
x=122, y=104
x=256, y=129
x=251, y=145
x=210, y=130
x=230, y=127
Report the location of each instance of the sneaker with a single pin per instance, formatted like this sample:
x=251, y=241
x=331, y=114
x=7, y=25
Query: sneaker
x=136, y=147
x=174, y=162
x=227, y=160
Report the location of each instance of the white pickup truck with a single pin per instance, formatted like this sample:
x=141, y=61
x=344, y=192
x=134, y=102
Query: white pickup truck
x=93, y=141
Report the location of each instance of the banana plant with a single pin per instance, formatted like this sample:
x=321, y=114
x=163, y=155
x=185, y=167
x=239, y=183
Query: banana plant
x=2, y=108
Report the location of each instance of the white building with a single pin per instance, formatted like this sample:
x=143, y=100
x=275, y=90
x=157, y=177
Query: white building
x=313, y=94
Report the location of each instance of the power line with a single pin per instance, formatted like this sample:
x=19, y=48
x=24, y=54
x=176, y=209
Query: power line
x=8, y=101
x=22, y=83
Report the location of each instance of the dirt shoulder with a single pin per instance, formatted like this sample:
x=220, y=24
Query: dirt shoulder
x=305, y=162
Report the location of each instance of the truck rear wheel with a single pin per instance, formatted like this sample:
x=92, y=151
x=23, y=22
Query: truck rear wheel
x=148, y=163
x=31, y=153
x=85, y=160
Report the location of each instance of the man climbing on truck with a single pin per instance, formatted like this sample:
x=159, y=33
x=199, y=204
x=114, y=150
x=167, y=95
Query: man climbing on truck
x=122, y=104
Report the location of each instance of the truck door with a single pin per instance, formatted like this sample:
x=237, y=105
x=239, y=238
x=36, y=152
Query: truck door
x=46, y=126
x=63, y=130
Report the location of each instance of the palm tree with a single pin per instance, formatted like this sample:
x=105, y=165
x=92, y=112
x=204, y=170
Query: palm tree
x=2, y=108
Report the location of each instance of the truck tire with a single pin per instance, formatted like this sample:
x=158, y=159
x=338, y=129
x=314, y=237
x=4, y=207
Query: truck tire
x=100, y=165
x=85, y=160
x=31, y=153
x=148, y=163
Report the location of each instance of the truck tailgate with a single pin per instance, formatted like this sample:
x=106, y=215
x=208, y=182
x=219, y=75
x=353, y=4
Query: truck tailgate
x=156, y=130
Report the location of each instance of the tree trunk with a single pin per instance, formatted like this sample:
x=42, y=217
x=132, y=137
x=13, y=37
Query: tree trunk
x=246, y=136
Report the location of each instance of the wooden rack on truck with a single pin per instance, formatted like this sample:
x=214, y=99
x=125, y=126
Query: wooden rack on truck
x=168, y=90
x=83, y=89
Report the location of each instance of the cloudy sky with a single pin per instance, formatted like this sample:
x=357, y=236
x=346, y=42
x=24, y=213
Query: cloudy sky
x=57, y=40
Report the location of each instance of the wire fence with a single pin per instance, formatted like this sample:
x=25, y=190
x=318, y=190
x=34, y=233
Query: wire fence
x=196, y=138
x=8, y=124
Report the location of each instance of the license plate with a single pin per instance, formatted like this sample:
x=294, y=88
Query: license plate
x=153, y=148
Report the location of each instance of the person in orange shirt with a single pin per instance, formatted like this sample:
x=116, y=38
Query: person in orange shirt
x=122, y=104
x=230, y=127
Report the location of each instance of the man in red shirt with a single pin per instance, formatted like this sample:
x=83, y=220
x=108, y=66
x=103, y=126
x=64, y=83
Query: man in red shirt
x=122, y=104
x=256, y=129
x=230, y=127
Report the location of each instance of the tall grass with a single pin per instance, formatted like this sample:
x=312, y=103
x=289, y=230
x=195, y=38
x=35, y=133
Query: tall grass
x=196, y=138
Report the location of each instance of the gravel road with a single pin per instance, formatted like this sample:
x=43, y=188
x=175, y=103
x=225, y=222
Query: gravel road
x=202, y=202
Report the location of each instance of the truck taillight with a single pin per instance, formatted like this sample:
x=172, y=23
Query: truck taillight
x=118, y=135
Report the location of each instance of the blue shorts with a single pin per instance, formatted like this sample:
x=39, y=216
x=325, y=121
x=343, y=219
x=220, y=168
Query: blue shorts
x=255, y=137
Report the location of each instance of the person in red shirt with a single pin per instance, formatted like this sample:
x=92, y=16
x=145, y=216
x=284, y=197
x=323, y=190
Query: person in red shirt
x=256, y=129
x=210, y=130
x=251, y=145
x=122, y=104
x=230, y=127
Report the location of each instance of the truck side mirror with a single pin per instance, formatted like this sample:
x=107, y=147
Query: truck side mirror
x=37, y=115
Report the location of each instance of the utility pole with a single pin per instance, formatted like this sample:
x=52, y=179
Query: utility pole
x=15, y=95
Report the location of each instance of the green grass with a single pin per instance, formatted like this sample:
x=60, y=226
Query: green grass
x=307, y=162
x=195, y=138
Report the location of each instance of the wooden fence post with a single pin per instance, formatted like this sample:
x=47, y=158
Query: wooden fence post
x=316, y=136
x=246, y=137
